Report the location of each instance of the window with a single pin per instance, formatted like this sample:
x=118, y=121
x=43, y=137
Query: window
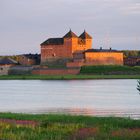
x=53, y=54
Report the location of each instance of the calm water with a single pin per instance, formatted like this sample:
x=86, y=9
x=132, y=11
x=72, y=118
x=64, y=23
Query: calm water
x=87, y=97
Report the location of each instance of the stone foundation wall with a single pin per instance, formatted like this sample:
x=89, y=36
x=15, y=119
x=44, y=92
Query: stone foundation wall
x=4, y=70
x=20, y=70
x=74, y=64
x=56, y=62
x=56, y=71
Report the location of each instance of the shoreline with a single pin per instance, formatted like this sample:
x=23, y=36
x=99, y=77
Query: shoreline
x=67, y=77
x=67, y=127
x=133, y=114
x=36, y=116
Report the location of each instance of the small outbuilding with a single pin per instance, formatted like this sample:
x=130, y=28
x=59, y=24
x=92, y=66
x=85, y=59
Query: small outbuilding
x=29, y=59
x=132, y=61
x=5, y=64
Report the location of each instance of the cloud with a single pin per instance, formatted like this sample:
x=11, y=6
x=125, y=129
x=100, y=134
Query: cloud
x=25, y=24
x=131, y=9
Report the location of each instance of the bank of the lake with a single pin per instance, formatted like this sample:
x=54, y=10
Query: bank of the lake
x=66, y=127
x=66, y=77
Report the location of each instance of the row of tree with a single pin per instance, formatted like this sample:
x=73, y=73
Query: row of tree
x=129, y=53
x=14, y=57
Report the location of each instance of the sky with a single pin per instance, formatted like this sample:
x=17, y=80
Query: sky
x=25, y=24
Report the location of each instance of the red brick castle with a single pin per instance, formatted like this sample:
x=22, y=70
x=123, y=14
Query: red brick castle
x=66, y=46
x=77, y=51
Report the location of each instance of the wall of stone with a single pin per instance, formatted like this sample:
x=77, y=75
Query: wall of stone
x=56, y=62
x=66, y=50
x=55, y=71
x=80, y=47
x=20, y=70
x=74, y=64
x=103, y=58
x=55, y=51
x=4, y=70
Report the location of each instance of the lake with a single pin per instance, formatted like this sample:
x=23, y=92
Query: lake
x=84, y=97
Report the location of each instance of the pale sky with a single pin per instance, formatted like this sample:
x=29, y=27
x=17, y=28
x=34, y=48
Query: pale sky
x=25, y=24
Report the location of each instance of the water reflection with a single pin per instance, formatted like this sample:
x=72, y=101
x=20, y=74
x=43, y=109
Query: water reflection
x=85, y=97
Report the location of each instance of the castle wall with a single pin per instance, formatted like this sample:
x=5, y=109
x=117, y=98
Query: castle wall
x=80, y=48
x=74, y=64
x=76, y=47
x=71, y=52
x=66, y=50
x=104, y=58
x=67, y=42
x=55, y=51
x=88, y=44
x=67, y=71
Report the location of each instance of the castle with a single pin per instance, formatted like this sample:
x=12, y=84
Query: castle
x=77, y=51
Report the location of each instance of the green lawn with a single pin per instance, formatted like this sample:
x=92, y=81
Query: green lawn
x=64, y=127
x=110, y=70
x=66, y=77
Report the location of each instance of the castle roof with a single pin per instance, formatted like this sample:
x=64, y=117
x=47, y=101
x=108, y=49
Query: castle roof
x=101, y=50
x=6, y=60
x=85, y=35
x=53, y=41
x=70, y=34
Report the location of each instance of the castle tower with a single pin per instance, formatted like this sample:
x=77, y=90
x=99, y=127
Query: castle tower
x=71, y=40
x=87, y=39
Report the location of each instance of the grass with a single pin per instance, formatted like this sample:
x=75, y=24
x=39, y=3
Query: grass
x=66, y=127
x=110, y=70
x=66, y=77
x=87, y=72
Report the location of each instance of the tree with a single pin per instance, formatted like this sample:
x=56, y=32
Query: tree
x=138, y=53
x=138, y=86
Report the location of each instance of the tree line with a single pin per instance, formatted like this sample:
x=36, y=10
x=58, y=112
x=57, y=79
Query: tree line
x=130, y=53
